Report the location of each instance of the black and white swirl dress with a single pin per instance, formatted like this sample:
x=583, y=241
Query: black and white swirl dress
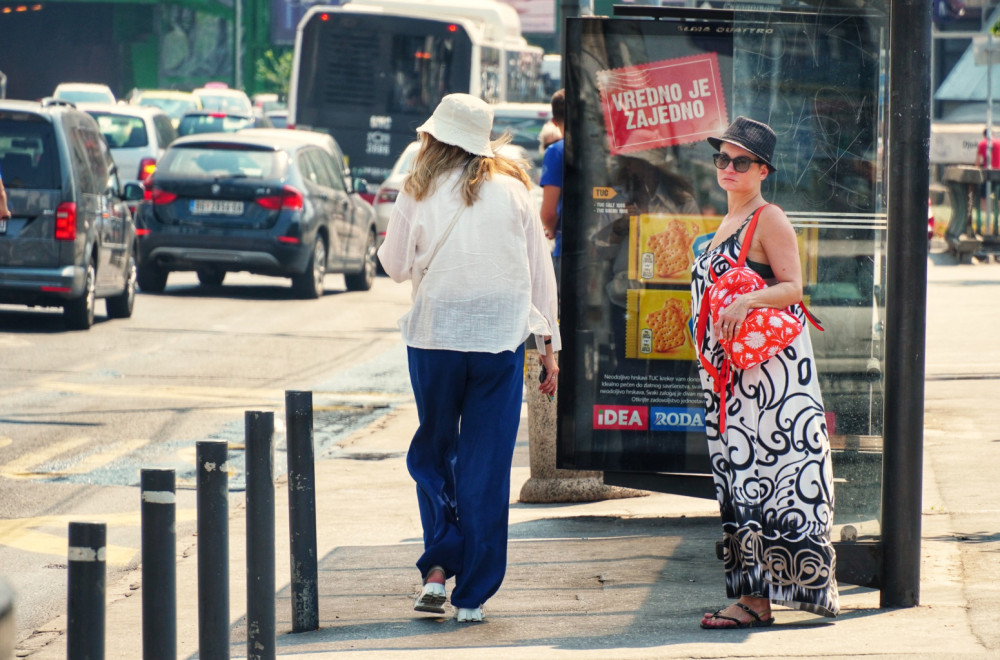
x=772, y=470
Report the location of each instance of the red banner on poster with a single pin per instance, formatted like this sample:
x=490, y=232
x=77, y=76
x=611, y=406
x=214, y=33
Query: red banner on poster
x=663, y=103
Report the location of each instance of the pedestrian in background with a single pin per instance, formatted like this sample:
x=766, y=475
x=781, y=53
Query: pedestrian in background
x=4, y=211
x=465, y=232
x=988, y=158
x=771, y=459
x=552, y=182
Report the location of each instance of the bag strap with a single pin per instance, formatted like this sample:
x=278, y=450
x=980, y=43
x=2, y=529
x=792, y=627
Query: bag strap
x=748, y=238
x=444, y=238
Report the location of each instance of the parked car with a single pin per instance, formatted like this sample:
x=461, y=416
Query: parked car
x=524, y=121
x=174, y=103
x=224, y=99
x=70, y=239
x=137, y=136
x=76, y=92
x=267, y=202
x=278, y=118
x=388, y=190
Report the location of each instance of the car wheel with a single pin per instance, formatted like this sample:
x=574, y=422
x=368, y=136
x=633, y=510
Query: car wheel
x=309, y=284
x=211, y=276
x=79, y=314
x=121, y=306
x=362, y=281
x=152, y=278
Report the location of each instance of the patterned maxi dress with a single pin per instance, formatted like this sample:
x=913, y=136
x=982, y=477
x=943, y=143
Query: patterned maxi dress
x=772, y=470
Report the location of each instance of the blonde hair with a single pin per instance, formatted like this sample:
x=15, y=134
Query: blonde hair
x=435, y=158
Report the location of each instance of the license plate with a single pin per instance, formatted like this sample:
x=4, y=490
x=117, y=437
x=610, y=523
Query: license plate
x=216, y=207
x=3, y=225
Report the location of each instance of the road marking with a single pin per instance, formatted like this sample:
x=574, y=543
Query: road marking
x=102, y=458
x=19, y=468
x=251, y=396
x=23, y=533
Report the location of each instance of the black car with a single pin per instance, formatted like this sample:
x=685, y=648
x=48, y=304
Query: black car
x=70, y=238
x=271, y=204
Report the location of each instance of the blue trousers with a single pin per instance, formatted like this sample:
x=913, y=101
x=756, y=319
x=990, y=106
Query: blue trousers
x=469, y=406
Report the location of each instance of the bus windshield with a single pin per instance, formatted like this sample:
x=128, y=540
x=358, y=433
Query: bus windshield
x=370, y=78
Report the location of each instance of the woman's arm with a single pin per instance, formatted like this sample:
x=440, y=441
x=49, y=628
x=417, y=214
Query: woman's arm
x=776, y=244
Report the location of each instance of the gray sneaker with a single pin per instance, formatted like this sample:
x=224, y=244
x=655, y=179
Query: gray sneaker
x=431, y=598
x=469, y=614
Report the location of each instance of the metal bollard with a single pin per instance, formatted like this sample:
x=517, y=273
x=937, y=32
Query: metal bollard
x=86, y=578
x=302, y=510
x=213, y=549
x=261, y=627
x=159, y=565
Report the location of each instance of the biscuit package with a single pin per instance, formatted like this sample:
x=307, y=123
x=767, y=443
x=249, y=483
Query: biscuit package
x=663, y=246
x=658, y=325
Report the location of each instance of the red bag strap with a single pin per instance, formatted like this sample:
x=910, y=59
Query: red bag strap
x=748, y=238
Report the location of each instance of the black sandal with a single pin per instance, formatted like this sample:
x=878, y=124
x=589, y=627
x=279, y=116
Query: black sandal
x=754, y=622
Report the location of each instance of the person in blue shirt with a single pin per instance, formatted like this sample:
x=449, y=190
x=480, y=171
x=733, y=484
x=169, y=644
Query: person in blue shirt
x=552, y=183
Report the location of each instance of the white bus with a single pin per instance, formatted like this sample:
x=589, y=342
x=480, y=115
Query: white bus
x=370, y=71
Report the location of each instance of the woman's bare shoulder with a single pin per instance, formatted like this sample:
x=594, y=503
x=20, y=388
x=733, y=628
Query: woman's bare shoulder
x=773, y=218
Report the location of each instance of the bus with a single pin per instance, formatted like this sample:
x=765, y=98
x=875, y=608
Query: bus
x=370, y=71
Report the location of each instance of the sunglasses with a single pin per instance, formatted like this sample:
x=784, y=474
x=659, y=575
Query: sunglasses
x=740, y=163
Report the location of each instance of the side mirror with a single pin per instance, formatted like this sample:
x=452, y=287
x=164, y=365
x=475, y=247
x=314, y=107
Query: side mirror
x=360, y=185
x=134, y=191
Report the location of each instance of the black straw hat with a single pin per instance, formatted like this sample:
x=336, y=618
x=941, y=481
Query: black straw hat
x=754, y=136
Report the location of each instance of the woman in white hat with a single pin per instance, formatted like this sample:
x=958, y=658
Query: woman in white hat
x=465, y=232
x=769, y=450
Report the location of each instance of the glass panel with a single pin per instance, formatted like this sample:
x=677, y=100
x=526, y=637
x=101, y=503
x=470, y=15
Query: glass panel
x=643, y=196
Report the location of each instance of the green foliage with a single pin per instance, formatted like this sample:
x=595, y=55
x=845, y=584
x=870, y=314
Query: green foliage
x=274, y=71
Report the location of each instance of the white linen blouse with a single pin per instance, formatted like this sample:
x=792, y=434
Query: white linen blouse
x=491, y=283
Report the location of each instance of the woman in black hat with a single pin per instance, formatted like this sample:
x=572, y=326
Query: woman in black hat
x=769, y=448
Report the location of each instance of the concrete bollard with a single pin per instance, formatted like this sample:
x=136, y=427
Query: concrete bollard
x=86, y=581
x=302, y=510
x=159, y=564
x=547, y=483
x=261, y=625
x=213, y=549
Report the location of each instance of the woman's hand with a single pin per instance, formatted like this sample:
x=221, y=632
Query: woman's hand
x=731, y=318
x=548, y=362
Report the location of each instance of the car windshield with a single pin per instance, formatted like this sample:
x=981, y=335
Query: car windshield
x=207, y=162
x=215, y=123
x=226, y=103
x=173, y=107
x=122, y=131
x=84, y=96
x=27, y=155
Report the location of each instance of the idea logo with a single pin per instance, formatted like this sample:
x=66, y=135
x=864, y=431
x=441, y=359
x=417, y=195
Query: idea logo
x=628, y=418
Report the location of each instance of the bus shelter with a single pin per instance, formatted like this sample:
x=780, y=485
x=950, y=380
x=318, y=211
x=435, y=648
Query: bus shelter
x=644, y=90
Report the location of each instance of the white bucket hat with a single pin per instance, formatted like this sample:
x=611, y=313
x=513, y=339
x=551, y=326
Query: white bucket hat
x=464, y=121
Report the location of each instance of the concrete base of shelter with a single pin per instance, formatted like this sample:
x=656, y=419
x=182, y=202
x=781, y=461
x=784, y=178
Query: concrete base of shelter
x=549, y=484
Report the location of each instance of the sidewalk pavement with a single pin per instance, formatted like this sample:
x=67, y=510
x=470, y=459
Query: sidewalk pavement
x=625, y=578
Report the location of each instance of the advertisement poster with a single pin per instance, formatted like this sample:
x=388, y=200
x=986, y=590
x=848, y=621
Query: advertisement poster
x=641, y=201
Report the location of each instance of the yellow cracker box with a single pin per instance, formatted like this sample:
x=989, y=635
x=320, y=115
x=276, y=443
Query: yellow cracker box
x=663, y=245
x=657, y=325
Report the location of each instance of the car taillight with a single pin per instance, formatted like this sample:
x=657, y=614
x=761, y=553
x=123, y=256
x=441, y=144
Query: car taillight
x=289, y=199
x=146, y=168
x=160, y=197
x=66, y=222
x=386, y=196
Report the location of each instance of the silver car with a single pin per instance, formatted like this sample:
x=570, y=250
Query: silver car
x=138, y=136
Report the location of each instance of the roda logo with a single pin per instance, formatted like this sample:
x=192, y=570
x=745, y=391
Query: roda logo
x=631, y=418
x=676, y=419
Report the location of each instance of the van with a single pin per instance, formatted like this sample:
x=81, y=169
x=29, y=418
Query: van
x=70, y=238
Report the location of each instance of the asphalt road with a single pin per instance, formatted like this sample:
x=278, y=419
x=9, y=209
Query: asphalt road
x=82, y=413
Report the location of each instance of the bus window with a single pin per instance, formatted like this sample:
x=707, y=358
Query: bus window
x=490, y=74
x=421, y=68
